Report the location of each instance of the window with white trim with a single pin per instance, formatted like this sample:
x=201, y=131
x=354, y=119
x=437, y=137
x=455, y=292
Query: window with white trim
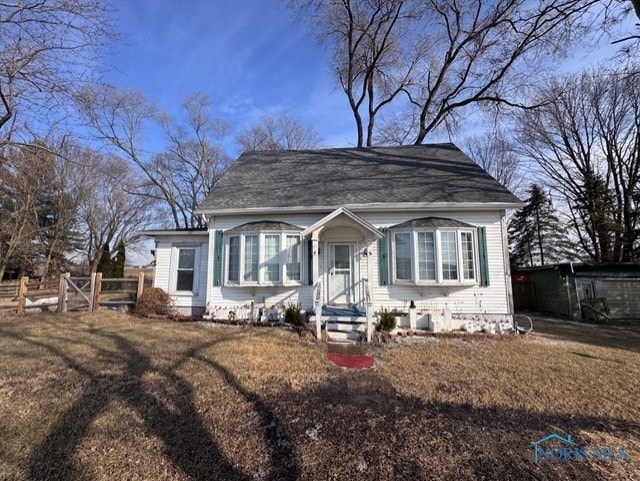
x=185, y=271
x=263, y=258
x=293, y=265
x=233, y=261
x=446, y=256
x=251, y=258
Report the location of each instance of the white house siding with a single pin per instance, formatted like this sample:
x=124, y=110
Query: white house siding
x=165, y=271
x=471, y=300
x=237, y=298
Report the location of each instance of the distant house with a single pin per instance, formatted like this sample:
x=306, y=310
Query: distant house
x=357, y=229
x=580, y=291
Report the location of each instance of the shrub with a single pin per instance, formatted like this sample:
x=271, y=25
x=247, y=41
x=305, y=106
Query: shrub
x=293, y=314
x=386, y=320
x=153, y=301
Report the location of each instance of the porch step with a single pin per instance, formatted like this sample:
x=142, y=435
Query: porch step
x=346, y=325
x=345, y=329
x=342, y=311
x=343, y=337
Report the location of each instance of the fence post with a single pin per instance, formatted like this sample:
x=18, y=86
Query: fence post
x=93, y=288
x=140, y=285
x=62, y=292
x=97, y=287
x=22, y=295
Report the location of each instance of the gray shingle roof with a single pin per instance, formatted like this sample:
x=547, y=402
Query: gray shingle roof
x=435, y=173
x=261, y=226
x=432, y=222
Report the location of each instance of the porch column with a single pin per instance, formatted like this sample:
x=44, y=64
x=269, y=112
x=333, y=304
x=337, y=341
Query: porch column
x=317, y=285
x=368, y=293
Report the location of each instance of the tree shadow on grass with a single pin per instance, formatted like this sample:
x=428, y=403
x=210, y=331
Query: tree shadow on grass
x=354, y=426
x=374, y=432
x=187, y=442
x=284, y=464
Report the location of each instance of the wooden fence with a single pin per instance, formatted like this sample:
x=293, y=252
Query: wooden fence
x=70, y=293
x=9, y=295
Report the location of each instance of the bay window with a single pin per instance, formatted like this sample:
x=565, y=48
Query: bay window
x=263, y=258
x=434, y=256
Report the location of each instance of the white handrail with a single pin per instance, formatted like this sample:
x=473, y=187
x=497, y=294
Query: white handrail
x=369, y=309
x=318, y=308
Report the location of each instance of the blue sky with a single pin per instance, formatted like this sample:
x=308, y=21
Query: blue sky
x=250, y=57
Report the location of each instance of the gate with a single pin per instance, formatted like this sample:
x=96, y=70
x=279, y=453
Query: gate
x=76, y=293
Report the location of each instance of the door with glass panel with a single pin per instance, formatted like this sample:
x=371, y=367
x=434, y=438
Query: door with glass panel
x=341, y=271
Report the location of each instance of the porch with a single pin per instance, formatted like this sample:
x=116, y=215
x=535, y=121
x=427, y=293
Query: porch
x=341, y=263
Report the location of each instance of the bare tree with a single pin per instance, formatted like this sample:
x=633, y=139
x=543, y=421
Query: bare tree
x=279, y=133
x=193, y=161
x=586, y=140
x=180, y=176
x=365, y=38
x=39, y=192
x=495, y=154
x=441, y=55
x=47, y=48
x=21, y=187
x=58, y=199
x=58, y=233
x=109, y=212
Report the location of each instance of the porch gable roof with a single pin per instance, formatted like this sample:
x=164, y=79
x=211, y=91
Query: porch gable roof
x=356, y=219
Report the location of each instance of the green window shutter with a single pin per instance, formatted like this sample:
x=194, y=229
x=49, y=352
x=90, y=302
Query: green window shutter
x=218, y=258
x=483, y=256
x=309, y=262
x=383, y=258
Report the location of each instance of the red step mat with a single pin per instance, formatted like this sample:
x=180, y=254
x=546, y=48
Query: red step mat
x=351, y=361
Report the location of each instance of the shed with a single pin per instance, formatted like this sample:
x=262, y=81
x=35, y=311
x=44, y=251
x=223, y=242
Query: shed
x=579, y=291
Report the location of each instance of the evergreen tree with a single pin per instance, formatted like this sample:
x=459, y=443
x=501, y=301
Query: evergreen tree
x=105, y=264
x=595, y=203
x=118, y=265
x=537, y=236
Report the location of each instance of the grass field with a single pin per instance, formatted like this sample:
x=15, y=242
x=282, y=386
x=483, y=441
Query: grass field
x=111, y=397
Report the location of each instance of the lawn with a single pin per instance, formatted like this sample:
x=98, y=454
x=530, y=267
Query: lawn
x=107, y=396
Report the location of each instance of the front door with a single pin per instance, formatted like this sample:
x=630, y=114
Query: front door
x=341, y=271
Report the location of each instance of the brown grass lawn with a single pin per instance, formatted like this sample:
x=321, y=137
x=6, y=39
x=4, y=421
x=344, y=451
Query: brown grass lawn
x=112, y=397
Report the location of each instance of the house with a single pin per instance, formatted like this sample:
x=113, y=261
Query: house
x=346, y=233
x=580, y=291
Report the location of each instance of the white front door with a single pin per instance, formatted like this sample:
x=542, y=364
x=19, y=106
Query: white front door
x=341, y=270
